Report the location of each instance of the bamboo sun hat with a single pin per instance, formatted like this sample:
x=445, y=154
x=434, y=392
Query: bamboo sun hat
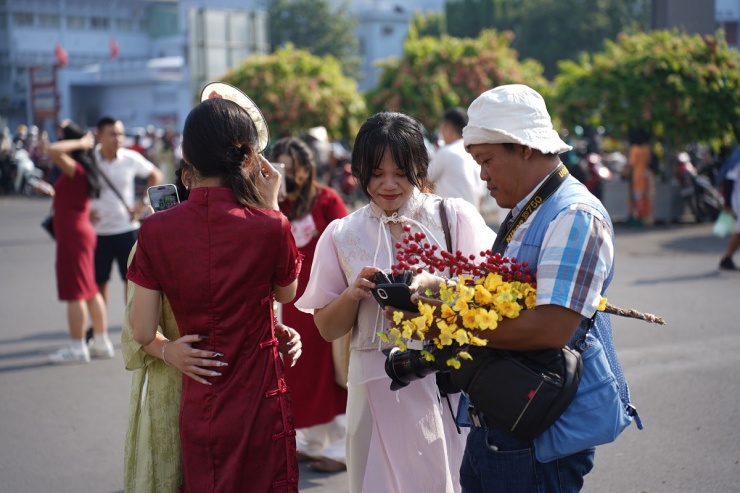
x=227, y=91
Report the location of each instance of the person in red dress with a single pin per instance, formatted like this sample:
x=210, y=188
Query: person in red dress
x=76, y=239
x=221, y=258
x=319, y=401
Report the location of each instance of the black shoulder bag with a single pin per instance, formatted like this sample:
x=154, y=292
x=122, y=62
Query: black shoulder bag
x=522, y=392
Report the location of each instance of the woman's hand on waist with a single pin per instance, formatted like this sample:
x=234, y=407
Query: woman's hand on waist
x=195, y=363
x=289, y=343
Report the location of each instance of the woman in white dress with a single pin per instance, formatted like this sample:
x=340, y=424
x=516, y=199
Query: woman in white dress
x=405, y=440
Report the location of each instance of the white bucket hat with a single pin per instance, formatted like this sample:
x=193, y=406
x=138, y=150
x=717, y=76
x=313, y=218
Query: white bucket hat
x=514, y=114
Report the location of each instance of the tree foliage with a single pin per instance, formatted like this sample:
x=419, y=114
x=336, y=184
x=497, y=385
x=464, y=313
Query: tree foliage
x=549, y=30
x=316, y=26
x=435, y=74
x=427, y=24
x=684, y=88
x=297, y=90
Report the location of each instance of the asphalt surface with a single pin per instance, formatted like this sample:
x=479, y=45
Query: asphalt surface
x=62, y=428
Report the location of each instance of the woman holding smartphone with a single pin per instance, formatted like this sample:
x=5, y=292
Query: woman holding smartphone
x=236, y=420
x=405, y=440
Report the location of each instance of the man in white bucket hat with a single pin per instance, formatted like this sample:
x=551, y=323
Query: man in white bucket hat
x=566, y=237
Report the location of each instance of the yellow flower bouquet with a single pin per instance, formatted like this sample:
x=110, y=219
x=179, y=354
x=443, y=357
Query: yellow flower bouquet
x=484, y=293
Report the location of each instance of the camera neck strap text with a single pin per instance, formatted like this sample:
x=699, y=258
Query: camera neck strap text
x=509, y=226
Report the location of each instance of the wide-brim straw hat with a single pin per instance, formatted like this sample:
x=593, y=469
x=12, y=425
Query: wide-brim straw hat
x=514, y=114
x=227, y=91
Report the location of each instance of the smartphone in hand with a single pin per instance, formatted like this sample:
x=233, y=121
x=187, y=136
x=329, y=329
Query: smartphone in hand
x=162, y=197
x=282, y=193
x=395, y=294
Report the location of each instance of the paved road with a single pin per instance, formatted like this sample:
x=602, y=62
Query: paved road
x=62, y=429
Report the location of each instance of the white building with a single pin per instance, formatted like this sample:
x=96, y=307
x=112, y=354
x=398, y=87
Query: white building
x=142, y=61
x=727, y=14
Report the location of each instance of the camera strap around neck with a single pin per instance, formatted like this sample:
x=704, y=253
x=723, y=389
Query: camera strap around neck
x=509, y=226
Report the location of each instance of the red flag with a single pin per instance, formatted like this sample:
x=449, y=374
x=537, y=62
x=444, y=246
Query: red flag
x=61, y=54
x=113, y=48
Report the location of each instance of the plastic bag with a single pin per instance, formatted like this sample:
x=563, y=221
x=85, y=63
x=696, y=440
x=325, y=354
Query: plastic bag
x=723, y=224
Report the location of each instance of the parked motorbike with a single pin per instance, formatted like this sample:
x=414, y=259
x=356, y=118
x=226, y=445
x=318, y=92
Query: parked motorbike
x=697, y=191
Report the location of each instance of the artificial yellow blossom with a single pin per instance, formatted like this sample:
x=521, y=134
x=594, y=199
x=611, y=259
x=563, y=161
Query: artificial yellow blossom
x=477, y=341
x=383, y=336
x=493, y=281
x=469, y=319
x=461, y=306
x=408, y=330
x=448, y=313
x=530, y=296
x=445, y=332
x=602, y=304
x=397, y=317
x=453, y=363
x=395, y=333
x=466, y=293
x=486, y=320
x=464, y=355
x=445, y=293
x=461, y=336
x=510, y=309
x=421, y=323
x=427, y=311
x=400, y=344
x=428, y=356
x=483, y=296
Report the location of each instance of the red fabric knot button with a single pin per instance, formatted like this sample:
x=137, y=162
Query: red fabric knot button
x=270, y=343
x=531, y=394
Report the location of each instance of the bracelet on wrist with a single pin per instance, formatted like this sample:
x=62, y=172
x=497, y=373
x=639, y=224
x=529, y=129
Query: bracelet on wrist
x=164, y=347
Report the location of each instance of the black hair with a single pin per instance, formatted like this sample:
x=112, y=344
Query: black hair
x=398, y=134
x=70, y=131
x=105, y=121
x=457, y=117
x=182, y=192
x=302, y=156
x=218, y=138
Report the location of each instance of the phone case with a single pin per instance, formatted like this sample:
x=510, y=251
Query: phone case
x=397, y=295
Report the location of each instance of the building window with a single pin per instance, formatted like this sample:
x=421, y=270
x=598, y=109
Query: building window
x=125, y=25
x=99, y=23
x=23, y=18
x=49, y=20
x=75, y=22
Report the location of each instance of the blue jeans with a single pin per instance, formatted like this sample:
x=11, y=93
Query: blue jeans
x=495, y=461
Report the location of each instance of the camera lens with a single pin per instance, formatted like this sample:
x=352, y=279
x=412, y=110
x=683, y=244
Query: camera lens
x=403, y=367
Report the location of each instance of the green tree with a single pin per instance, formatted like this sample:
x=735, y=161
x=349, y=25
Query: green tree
x=549, y=30
x=427, y=24
x=434, y=74
x=554, y=30
x=317, y=26
x=684, y=88
x=297, y=90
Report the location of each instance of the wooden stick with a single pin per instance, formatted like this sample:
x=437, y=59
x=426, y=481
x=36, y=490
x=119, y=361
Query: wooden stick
x=647, y=317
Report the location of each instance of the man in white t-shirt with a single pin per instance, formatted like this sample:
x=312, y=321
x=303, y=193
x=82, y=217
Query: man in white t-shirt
x=453, y=170
x=116, y=224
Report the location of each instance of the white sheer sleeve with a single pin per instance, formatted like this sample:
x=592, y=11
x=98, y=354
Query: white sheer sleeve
x=327, y=280
x=472, y=234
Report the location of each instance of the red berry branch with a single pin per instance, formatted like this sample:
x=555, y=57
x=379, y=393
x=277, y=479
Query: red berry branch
x=414, y=253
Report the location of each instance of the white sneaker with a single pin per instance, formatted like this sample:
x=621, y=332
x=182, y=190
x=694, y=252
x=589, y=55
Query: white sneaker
x=101, y=351
x=67, y=355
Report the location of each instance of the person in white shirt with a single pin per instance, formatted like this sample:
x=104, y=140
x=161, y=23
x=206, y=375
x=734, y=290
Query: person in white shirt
x=116, y=224
x=453, y=170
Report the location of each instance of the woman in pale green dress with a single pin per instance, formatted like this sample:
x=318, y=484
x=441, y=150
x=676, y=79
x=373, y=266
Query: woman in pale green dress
x=151, y=459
